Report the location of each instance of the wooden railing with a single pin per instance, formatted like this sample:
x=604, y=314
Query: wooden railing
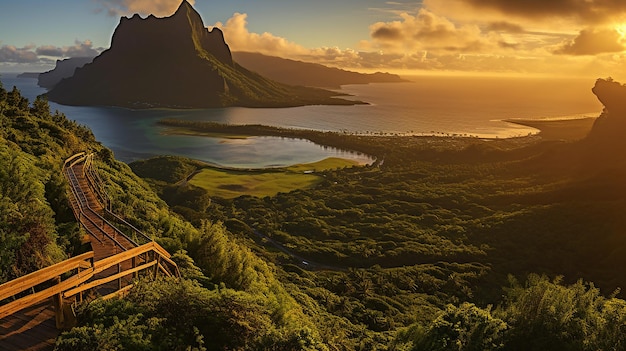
x=97, y=185
x=85, y=212
x=95, y=182
x=71, y=278
x=32, y=281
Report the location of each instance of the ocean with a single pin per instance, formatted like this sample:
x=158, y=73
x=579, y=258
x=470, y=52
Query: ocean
x=429, y=105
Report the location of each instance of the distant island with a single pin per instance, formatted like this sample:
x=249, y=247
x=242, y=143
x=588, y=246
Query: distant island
x=28, y=75
x=306, y=73
x=176, y=62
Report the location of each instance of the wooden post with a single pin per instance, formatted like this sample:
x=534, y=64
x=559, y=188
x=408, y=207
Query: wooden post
x=156, y=266
x=136, y=274
x=57, y=301
x=79, y=298
x=119, y=280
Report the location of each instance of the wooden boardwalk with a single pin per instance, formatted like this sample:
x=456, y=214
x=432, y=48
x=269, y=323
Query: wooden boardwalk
x=33, y=328
x=31, y=322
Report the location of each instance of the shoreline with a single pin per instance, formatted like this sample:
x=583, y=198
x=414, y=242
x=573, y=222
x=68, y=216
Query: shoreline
x=558, y=129
x=548, y=129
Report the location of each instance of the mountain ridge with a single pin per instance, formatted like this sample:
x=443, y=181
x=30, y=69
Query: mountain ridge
x=295, y=72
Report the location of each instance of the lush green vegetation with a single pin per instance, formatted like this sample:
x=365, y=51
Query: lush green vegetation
x=542, y=315
x=421, y=251
x=442, y=221
x=234, y=299
x=37, y=227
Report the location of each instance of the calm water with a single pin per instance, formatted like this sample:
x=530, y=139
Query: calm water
x=430, y=105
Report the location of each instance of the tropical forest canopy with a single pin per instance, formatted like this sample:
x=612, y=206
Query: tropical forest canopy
x=444, y=244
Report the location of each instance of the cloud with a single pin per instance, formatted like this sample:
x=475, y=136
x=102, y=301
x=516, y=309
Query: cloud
x=49, y=50
x=79, y=49
x=593, y=42
x=507, y=27
x=424, y=41
x=43, y=56
x=9, y=53
x=428, y=31
x=239, y=38
x=161, y=8
x=580, y=11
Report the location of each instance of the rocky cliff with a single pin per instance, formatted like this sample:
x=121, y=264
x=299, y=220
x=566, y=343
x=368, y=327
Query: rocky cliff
x=63, y=69
x=175, y=62
x=610, y=127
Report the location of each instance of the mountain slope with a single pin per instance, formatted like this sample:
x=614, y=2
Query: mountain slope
x=175, y=62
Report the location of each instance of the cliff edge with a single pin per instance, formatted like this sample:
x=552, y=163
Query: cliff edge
x=610, y=127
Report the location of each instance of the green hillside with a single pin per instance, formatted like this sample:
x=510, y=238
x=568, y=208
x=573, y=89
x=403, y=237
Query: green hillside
x=432, y=249
x=432, y=234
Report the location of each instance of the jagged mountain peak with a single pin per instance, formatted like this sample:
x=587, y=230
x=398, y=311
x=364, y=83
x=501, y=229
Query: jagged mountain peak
x=183, y=31
x=185, y=6
x=175, y=62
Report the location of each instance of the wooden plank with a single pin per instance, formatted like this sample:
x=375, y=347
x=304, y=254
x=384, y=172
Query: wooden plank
x=110, y=278
x=28, y=281
x=32, y=299
x=31, y=329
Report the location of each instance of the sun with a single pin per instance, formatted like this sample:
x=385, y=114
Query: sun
x=621, y=29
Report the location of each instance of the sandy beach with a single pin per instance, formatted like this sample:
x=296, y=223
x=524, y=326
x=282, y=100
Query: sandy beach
x=562, y=129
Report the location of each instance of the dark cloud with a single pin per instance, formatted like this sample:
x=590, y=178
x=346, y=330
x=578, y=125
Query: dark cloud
x=45, y=54
x=506, y=45
x=593, y=42
x=79, y=49
x=586, y=10
x=387, y=33
x=49, y=50
x=9, y=53
x=474, y=46
x=505, y=27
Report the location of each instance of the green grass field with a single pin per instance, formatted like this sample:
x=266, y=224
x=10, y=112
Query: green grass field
x=229, y=184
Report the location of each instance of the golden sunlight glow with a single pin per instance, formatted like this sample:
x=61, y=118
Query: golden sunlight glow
x=621, y=29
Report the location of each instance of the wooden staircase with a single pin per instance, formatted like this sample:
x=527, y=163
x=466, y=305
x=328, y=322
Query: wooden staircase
x=34, y=307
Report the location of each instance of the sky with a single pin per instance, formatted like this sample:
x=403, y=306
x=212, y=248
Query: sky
x=579, y=38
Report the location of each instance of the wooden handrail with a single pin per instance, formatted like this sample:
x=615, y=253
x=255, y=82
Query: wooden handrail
x=82, y=267
x=72, y=158
x=108, y=279
x=73, y=178
x=28, y=281
x=95, y=183
x=81, y=213
x=29, y=300
x=77, y=283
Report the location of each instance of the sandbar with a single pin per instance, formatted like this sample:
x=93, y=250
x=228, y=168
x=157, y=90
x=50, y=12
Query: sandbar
x=559, y=129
